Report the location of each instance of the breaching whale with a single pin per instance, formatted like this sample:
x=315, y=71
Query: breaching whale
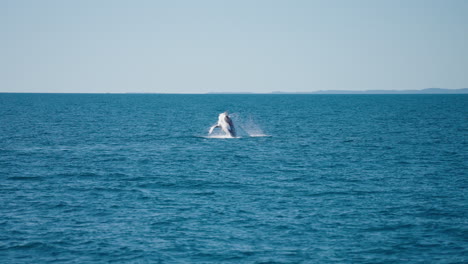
x=225, y=122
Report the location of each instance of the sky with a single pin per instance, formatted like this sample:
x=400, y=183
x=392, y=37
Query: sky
x=113, y=46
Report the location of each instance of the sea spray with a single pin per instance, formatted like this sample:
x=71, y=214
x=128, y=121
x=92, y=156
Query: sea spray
x=251, y=127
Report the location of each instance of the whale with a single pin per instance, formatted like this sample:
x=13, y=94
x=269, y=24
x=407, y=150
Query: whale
x=226, y=124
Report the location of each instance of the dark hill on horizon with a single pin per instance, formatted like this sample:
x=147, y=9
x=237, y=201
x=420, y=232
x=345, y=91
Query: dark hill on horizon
x=423, y=91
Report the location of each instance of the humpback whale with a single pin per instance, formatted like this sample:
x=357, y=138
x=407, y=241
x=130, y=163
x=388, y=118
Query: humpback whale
x=225, y=123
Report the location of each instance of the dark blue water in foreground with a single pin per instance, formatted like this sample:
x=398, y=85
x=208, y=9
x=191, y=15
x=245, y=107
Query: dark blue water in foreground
x=326, y=179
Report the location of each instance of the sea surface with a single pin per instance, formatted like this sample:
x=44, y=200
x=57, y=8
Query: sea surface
x=135, y=178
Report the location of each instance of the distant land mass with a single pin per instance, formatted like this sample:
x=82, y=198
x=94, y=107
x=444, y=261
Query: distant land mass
x=423, y=91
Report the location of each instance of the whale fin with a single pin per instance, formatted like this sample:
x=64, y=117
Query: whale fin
x=212, y=128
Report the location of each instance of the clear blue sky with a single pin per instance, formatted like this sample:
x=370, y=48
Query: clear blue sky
x=238, y=46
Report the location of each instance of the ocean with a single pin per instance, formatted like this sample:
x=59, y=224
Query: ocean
x=135, y=178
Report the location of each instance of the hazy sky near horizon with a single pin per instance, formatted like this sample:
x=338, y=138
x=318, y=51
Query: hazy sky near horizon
x=236, y=46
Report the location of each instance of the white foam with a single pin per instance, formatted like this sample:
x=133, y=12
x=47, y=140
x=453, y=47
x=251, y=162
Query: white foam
x=219, y=136
x=259, y=135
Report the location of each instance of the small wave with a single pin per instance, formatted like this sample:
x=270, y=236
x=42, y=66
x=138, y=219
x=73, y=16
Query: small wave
x=30, y=245
x=24, y=178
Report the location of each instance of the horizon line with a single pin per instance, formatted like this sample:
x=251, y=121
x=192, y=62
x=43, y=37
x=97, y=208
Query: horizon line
x=318, y=92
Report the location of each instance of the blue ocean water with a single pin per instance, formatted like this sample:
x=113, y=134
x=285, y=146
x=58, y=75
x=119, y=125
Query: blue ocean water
x=311, y=179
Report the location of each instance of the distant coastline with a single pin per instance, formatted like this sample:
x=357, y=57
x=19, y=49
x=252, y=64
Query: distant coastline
x=423, y=91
